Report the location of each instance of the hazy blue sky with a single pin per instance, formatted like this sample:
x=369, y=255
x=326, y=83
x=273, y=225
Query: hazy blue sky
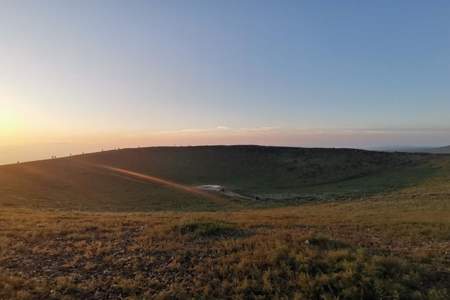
x=377, y=72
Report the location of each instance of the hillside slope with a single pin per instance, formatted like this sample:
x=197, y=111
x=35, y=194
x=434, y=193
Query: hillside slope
x=392, y=244
x=89, y=182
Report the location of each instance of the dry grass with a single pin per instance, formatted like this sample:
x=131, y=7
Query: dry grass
x=393, y=247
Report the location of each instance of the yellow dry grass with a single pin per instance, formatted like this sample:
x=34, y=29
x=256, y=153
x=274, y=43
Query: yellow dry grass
x=392, y=246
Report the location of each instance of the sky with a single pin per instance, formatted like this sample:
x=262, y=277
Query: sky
x=89, y=74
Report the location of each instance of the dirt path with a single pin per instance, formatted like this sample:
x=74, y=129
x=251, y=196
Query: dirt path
x=164, y=182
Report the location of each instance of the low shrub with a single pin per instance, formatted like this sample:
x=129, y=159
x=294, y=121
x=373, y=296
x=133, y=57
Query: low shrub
x=208, y=229
x=324, y=243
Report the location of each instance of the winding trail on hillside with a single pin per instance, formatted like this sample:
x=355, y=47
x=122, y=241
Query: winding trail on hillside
x=161, y=181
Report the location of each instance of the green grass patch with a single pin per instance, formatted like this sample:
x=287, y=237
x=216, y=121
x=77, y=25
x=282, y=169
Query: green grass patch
x=208, y=229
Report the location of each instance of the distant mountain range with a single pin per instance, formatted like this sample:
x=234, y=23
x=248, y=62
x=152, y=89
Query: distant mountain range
x=445, y=149
x=437, y=150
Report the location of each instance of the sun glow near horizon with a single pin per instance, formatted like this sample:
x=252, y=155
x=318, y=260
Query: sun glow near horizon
x=10, y=124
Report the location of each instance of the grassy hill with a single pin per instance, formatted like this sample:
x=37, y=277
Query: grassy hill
x=271, y=174
x=387, y=236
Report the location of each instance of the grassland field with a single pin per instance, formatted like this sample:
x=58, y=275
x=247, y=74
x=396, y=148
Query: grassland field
x=356, y=225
